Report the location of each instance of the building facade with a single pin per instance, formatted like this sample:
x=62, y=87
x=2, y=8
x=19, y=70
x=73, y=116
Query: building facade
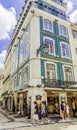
x=36, y=75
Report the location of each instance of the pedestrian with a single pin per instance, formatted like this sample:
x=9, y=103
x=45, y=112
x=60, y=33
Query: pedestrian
x=67, y=110
x=74, y=108
x=44, y=113
x=62, y=110
x=35, y=114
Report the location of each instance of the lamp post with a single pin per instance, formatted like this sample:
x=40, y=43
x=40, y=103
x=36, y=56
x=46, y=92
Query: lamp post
x=45, y=47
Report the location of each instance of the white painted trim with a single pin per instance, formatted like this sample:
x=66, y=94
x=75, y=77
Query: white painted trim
x=55, y=61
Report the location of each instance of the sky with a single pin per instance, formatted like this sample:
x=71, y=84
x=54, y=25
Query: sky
x=9, y=13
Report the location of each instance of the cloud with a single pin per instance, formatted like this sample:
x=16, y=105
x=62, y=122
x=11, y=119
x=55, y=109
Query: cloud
x=73, y=16
x=2, y=59
x=7, y=21
x=69, y=6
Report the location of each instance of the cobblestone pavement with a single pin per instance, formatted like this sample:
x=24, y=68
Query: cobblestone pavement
x=8, y=122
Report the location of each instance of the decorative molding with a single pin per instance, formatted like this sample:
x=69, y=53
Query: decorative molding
x=51, y=34
x=57, y=58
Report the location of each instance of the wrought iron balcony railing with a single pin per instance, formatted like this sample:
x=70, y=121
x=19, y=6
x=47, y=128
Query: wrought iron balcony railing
x=53, y=83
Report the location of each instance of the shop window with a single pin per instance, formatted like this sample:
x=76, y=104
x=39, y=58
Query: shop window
x=51, y=73
x=68, y=73
x=48, y=25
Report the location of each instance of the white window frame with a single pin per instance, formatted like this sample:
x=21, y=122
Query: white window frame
x=68, y=57
x=44, y=26
x=53, y=44
x=64, y=71
x=63, y=34
x=51, y=64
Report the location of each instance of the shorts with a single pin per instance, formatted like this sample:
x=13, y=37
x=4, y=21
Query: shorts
x=35, y=117
x=43, y=115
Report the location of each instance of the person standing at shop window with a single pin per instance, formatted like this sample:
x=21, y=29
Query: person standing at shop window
x=73, y=107
x=62, y=110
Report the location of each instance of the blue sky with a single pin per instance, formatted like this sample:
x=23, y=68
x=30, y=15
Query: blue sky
x=9, y=13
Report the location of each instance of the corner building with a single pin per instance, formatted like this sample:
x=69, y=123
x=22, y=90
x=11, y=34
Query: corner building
x=37, y=75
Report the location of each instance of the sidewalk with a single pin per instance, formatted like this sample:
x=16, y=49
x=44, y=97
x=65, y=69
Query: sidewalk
x=53, y=119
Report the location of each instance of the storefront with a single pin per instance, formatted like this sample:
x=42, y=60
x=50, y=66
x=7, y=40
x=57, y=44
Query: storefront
x=54, y=99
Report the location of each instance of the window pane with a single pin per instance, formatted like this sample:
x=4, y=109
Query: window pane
x=47, y=24
x=19, y=77
x=51, y=45
x=26, y=74
x=65, y=50
x=76, y=51
x=68, y=73
x=63, y=30
x=75, y=34
x=51, y=74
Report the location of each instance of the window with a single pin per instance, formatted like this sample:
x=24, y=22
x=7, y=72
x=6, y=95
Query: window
x=19, y=77
x=24, y=45
x=48, y=25
x=46, y=7
x=65, y=50
x=61, y=14
x=68, y=73
x=26, y=74
x=75, y=34
x=21, y=52
x=76, y=51
x=14, y=81
x=51, y=73
x=63, y=30
x=51, y=45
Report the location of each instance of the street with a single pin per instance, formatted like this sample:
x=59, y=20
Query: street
x=24, y=124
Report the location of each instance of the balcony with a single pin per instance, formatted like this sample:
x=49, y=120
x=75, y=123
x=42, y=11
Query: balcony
x=47, y=8
x=61, y=2
x=53, y=83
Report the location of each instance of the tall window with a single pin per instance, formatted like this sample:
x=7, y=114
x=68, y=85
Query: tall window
x=48, y=25
x=14, y=81
x=68, y=73
x=65, y=50
x=19, y=78
x=51, y=73
x=75, y=34
x=51, y=45
x=63, y=31
x=46, y=7
x=21, y=52
x=76, y=51
x=25, y=45
x=26, y=74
